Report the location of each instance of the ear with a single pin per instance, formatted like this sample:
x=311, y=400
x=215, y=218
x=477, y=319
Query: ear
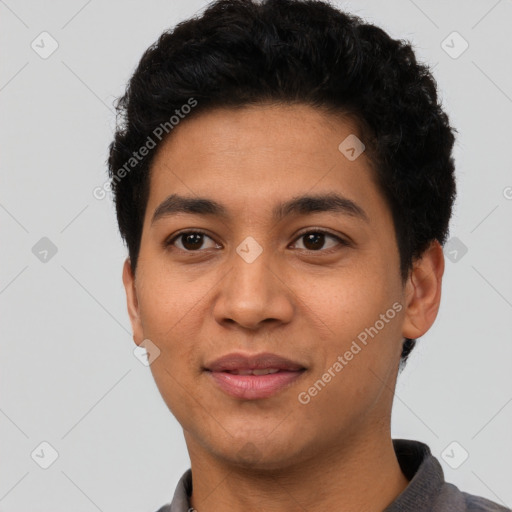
x=132, y=302
x=423, y=292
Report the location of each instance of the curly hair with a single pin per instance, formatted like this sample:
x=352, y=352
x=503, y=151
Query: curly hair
x=248, y=52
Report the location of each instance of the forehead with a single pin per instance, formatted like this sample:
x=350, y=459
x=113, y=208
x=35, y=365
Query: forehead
x=259, y=156
x=295, y=129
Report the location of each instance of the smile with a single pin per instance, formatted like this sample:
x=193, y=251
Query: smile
x=254, y=384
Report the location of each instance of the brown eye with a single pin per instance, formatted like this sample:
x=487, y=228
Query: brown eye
x=315, y=240
x=191, y=241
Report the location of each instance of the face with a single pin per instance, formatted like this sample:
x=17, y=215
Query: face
x=316, y=282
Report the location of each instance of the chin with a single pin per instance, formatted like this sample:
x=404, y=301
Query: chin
x=260, y=456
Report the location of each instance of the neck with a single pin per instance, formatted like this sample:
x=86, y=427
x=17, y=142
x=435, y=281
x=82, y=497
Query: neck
x=362, y=475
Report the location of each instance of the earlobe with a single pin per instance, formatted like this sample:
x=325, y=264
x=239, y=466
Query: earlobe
x=132, y=302
x=423, y=292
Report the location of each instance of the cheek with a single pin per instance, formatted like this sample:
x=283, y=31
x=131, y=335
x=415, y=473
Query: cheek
x=360, y=351
x=349, y=300
x=361, y=314
x=169, y=320
x=165, y=301
x=169, y=317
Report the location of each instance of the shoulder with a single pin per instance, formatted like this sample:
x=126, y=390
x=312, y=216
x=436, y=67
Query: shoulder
x=479, y=504
x=451, y=499
x=180, y=501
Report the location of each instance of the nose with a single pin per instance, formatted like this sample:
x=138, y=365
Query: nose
x=253, y=294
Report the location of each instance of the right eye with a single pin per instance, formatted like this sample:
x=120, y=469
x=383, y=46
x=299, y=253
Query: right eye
x=190, y=241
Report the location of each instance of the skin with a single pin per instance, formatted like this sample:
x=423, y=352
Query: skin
x=277, y=454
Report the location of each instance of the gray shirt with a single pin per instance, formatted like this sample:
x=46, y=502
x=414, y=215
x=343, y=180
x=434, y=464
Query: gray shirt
x=427, y=490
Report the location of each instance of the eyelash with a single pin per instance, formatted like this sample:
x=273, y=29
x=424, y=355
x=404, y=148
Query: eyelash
x=341, y=241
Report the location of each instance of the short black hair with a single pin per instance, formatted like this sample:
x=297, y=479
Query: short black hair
x=239, y=53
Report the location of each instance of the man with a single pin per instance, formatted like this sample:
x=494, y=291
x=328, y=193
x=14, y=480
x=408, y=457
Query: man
x=284, y=182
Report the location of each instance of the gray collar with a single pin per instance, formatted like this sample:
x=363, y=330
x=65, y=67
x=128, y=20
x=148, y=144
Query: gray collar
x=421, y=468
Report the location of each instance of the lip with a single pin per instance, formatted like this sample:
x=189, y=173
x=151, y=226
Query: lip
x=253, y=387
x=239, y=361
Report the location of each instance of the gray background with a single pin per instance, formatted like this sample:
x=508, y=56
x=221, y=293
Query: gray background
x=68, y=373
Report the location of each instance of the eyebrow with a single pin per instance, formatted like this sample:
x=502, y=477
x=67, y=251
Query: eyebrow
x=301, y=205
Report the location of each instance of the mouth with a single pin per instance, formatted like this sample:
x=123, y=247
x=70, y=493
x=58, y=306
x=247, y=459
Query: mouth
x=255, y=376
x=255, y=371
x=257, y=385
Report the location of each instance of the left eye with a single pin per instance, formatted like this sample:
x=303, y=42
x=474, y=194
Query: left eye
x=315, y=240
